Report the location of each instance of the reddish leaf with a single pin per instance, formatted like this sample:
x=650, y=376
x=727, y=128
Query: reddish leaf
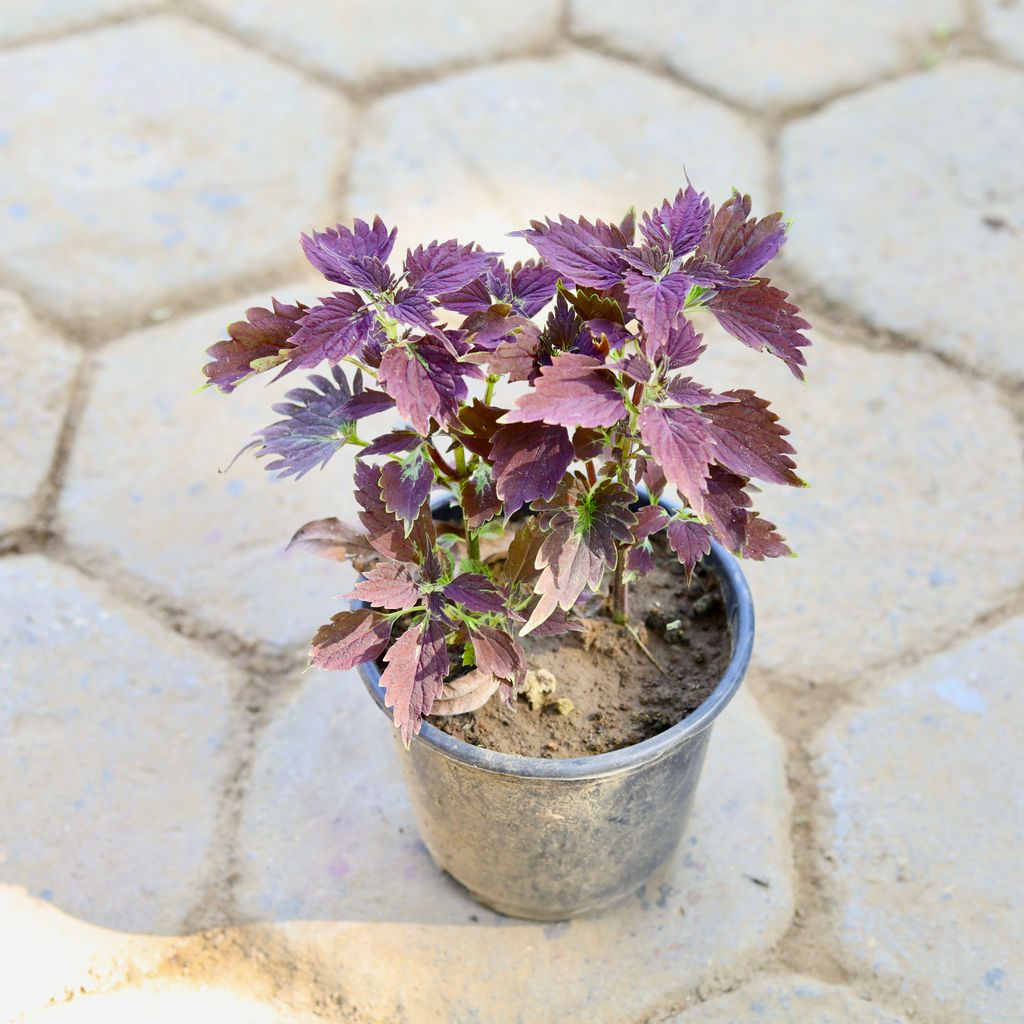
x=750, y=441
x=405, y=487
x=683, y=346
x=686, y=391
x=498, y=654
x=690, y=540
x=349, y=639
x=480, y=501
x=474, y=592
x=336, y=541
x=480, y=424
x=521, y=560
x=732, y=521
x=258, y=343
x=391, y=443
x=336, y=328
x=574, y=391
x=516, y=359
x=388, y=586
x=416, y=666
x=649, y=520
x=425, y=381
x=740, y=243
x=678, y=439
x=762, y=541
x=529, y=461
x=383, y=529
x=762, y=318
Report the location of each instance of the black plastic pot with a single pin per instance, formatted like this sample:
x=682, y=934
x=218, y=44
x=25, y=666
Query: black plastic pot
x=551, y=839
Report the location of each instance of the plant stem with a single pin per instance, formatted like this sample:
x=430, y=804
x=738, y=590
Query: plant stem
x=620, y=590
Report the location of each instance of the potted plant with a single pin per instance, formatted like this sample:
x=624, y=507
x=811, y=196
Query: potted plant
x=501, y=539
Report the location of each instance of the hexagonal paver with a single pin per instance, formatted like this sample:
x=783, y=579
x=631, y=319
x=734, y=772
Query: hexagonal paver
x=37, y=369
x=171, y=1005
x=330, y=851
x=1003, y=23
x=770, y=54
x=925, y=783
x=790, y=999
x=906, y=207
x=364, y=43
x=479, y=154
x=911, y=526
x=149, y=159
x=144, y=494
x=27, y=19
x=113, y=751
x=49, y=955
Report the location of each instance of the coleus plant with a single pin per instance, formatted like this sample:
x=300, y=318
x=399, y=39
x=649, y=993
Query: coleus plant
x=598, y=335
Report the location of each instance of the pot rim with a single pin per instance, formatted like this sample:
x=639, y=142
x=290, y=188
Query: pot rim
x=740, y=607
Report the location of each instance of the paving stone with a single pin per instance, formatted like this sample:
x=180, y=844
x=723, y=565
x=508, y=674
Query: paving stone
x=891, y=554
x=48, y=955
x=330, y=852
x=148, y=159
x=1003, y=23
x=364, y=43
x=113, y=751
x=771, y=54
x=906, y=207
x=790, y=999
x=36, y=368
x=479, y=154
x=144, y=494
x=170, y=1006
x=26, y=19
x=924, y=784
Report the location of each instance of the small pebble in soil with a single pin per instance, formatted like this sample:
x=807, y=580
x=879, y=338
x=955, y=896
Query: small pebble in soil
x=564, y=706
x=706, y=603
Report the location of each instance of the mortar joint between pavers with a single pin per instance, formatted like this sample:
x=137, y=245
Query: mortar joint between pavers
x=82, y=28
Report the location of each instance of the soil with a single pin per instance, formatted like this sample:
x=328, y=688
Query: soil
x=596, y=691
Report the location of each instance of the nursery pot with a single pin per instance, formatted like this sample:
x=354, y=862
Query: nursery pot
x=548, y=839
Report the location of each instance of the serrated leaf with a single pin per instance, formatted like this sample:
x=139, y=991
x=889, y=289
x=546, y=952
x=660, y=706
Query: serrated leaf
x=679, y=442
x=682, y=346
x=384, y=530
x=498, y=654
x=529, y=460
x=683, y=222
x=686, y=391
x=592, y=305
x=426, y=381
x=336, y=541
x=750, y=441
x=658, y=304
x=573, y=391
x=690, y=540
x=260, y=342
x=740, y=243
x=578, y=250
x=391, y=443
x=332, y=330
x=417, y=664
x=474, y=592
x=405, y=486
x=480, y=501
x=312, y=429
x=763, y=319
x=350, y=639
x=338, y=253
x=388, y=586
x=444, y=266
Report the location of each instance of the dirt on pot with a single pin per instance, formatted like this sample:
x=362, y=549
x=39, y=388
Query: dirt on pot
x=596, y=691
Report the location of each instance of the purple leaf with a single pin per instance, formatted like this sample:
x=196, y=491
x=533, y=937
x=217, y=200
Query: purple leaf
x=312, y=430
x=690, y=541
x=762, y=318
x=518, y=358
x=416, y=666
x=336, y=541
x=532, y=287
x=260, y=342
x=574, y=391
x=405, y=486
x=498, y=654
x=579, y=250
x=470, y=298
x=682, y=222
x=336, y=328
x=387, y=586
x=333, y=251
x=583, y=524
x=529, y=460
x=392, y=442
x=383, y=529
x=658, y=304
x=496, y=324
x=740, y=243
x=649, y=520
x=474, y=592
x=735, y=524
x=478, y=425
x=425, y=381
x=556, y=624
x=366, y=403
x=704, y=273
x=412, y=307
x=480, y=501
x=678, y=440
x=445, y=266
x=349, y=639
x=686, y=391
x=750, y=441
x=683, y=346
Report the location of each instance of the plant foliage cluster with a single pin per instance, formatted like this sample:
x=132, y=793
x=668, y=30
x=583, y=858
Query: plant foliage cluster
x=598, y=335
